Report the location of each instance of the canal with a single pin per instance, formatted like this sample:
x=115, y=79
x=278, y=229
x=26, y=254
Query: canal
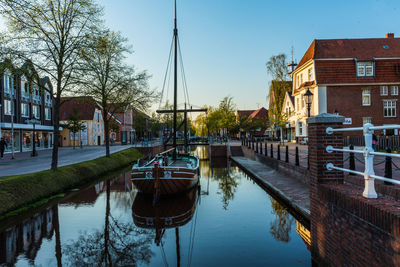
x=228, y=221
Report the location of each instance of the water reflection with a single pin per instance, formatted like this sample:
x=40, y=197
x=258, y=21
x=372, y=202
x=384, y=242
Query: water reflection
x=169, y=212
x=281, y=226
x=118, y=244
x=26, y=238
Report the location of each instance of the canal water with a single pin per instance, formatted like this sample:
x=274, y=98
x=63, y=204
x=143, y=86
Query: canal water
x=228, y=221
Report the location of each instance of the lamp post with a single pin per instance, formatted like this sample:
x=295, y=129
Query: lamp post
x=33, y=122
x=308, y=98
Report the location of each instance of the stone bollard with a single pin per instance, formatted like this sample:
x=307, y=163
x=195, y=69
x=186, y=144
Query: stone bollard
x=265, y=148
x=279, y=152
x=287, y=154
x=352, y=162
x=272, y=151
x=388, y=166
x=297, y=156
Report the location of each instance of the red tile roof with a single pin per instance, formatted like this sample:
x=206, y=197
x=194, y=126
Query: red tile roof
x=244, y=113
x=260, y=113
x=84, y=104
x=361, y=49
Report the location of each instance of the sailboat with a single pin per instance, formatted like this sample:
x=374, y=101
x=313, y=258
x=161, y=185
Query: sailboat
x=169, y=172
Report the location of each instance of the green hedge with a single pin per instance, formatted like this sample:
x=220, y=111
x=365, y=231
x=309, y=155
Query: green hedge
x=21, y=190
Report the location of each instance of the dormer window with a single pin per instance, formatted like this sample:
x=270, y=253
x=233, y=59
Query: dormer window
x=365, y=69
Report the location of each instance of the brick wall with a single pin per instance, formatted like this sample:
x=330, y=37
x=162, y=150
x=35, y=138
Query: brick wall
x=347, y=100
x=346, y=228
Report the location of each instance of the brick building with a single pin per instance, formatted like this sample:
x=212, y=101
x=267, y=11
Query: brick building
x=22, y=99
x=90, y=113
x=356, y=78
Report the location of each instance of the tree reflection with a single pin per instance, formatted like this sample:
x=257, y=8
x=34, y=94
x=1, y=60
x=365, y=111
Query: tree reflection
x=119, y=244
x=282, y=224
x=227, y=184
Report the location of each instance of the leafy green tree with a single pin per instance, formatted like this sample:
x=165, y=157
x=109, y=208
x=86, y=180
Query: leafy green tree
x=74, y=123
x=50, y=34
x=110, y=81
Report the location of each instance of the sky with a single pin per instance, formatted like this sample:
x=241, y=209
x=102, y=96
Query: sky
x=226, y=43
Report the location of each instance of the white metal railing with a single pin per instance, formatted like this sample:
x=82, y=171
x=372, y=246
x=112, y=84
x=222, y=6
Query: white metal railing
x=368, y=152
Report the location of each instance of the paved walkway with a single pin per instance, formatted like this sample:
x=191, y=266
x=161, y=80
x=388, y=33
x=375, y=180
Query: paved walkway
x=24, y=163
x=293, y=192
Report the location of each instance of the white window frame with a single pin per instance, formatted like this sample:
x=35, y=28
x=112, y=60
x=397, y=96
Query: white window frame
x=390, y=108
x=23, y=110
x=394, y=90
x=8, y=110
x=364, y=93
x=384, y=90
x=310, y=74
x=47, y=114
x=36, y=111
x=365, y=69
x=367, y=120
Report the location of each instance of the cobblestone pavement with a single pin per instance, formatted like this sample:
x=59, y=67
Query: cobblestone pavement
x=24, y=163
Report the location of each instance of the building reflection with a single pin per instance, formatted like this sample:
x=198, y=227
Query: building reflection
x=304, y=233
x=26, y=238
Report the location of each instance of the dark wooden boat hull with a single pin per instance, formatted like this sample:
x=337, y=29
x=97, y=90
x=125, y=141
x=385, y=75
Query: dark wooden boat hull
x=170, y=181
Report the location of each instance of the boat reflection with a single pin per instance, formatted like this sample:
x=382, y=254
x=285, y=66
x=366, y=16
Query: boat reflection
x=170, y=212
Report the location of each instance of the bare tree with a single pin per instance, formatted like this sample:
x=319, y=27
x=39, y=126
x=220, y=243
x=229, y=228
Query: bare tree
x=51, y=34
x=277, y=68
x=110, y=81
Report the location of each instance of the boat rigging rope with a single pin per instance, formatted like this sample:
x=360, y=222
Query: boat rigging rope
x=184, y=84
x=166, y=72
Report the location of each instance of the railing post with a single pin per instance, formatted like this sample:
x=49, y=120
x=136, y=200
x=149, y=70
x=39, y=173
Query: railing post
x=369, y=189
x=248, y=142
x=352, y=162
x=257, y=146
x=272, y=151
x=287, y=154
x=279, y=152
x=266, y=150
x=252, y=144
x=388, y=166
x=308, y=160
x=297, y=156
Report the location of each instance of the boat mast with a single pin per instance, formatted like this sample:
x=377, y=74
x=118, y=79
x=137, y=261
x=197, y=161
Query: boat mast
x=175, y=80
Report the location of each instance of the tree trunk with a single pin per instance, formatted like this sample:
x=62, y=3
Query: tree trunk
x=54, y=156
x=58, y=239
x=106, y=133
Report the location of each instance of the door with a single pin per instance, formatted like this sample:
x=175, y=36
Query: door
x=98, y=140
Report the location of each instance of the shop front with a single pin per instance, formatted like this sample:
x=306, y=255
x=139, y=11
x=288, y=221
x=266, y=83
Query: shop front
x=23, y=137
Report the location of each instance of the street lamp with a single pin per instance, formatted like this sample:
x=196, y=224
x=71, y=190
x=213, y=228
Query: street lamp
x=33, y=122
x=308, y=98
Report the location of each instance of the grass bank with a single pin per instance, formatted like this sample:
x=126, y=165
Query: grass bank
x=19, y=191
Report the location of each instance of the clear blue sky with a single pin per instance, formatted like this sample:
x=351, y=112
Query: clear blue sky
x=225, y=43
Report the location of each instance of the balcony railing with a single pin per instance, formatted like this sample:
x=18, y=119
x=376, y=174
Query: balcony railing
x=368, y=152
x=36, y=99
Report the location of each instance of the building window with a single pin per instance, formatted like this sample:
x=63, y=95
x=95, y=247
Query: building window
x=25, y=110
x=300, y=128
x=365, y=69
x=36, y=112
x=366, y=120
x=310, y=74
x=47, y=114
x=366, y=97
x=7, y=83
x=7, y=107
x=384, y=90
x=394, y=90
x=389, y=108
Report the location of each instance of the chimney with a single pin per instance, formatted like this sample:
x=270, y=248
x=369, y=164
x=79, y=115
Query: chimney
x=390, y=35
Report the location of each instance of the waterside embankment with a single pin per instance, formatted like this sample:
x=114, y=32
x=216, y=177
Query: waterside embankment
x=20, y=192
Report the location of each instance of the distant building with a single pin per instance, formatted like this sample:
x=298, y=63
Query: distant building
x=356, y=78
x=90, y=114
x=255, y=122
x=123, y=119
x=24, y=99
